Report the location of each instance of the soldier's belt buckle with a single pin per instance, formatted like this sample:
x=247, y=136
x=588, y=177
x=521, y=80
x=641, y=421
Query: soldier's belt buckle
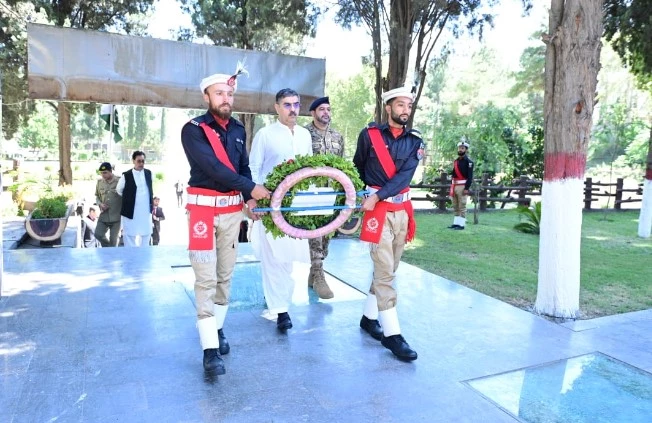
x=397, y=198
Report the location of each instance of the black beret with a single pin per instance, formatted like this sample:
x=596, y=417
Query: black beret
x=318, y=103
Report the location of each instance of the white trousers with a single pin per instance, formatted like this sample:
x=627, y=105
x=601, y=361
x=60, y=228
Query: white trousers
x=136, y=240
x=278, y=285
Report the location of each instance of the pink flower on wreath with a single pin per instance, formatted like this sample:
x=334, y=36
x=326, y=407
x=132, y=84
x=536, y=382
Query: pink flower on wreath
x=290, y=161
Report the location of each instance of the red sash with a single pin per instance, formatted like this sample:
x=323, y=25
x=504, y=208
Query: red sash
x=457, y=176
x=374, y=220
x=200, y=218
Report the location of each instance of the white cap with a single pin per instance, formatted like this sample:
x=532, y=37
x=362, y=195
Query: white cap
x=398, y=92
x=463, y=143
x=218, y=78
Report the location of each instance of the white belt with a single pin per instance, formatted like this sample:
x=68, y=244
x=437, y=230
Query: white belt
x=214, y=201
x=459, y=181
x=397, y=199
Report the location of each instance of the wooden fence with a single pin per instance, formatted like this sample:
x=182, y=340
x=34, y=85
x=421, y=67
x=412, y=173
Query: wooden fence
x=522, y=191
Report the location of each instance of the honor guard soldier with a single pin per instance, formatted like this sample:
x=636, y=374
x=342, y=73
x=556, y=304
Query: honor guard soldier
x=461, y=184
x=220, y=181
x=386, y=157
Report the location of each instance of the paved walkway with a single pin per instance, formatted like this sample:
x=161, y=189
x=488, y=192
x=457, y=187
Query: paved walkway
x=98, y=335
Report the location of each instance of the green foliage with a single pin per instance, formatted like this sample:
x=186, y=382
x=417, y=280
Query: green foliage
x=159, y=176
x=532, y=216
x=41, y=131
x=628, y=28
x=282, y=170
x=352, y=104
x=116, y=15
x=50, y=207
x=616, y=129
x=252, y=24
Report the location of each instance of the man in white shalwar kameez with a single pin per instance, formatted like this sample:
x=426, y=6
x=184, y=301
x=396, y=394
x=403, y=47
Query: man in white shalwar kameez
x=272, y=145
x=135, y=187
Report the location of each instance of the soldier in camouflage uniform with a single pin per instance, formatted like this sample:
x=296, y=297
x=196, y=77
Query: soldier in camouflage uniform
x=324, y=140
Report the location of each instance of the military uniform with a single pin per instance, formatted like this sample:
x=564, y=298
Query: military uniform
x=220, y=179
x=394, y=213
x=327, y=141
x=462, y=178
x=110, y=219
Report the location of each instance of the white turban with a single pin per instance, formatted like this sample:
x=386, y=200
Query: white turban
x=219, y=78
x=398, y=92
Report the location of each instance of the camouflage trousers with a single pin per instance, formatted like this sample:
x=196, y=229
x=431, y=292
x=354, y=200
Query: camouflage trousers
x=318, y=249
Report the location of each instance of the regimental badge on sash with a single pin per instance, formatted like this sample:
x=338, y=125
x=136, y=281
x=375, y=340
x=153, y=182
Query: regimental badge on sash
x=199, y=229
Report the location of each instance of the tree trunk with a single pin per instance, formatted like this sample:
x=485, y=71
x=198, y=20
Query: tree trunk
x=400, y=32
x=572, y=64
x=645, y=218
x=65, y=170
x=248, y=120
x=378, y=65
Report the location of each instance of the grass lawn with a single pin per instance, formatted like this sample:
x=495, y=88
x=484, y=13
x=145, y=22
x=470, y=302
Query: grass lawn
x=493, y=258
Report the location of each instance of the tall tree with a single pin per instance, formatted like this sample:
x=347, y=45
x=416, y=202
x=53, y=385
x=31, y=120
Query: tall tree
x=629, y=29
x=572, y=64
x=102, y=14
x=410, y=23
x=264, y=25
x=13, y=65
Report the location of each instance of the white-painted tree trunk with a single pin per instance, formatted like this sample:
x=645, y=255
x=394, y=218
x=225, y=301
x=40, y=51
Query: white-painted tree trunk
x=559, y=248
x=645, y=218
x=572, y=64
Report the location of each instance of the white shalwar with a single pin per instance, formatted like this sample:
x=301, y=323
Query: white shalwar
x=136, y=232
x=272, y=145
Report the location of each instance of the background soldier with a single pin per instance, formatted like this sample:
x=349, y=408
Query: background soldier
x=324, y=140
x=460, y=184
x=110, y=203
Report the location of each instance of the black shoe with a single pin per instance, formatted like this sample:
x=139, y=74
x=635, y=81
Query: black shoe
x=224, y=344
x=213, y=362
x=397, y=345
x=459, y=228
x=283, y=322
x=372, y=327
x=453, y=226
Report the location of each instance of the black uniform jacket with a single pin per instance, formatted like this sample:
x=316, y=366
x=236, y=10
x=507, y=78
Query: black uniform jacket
x=406, y=152
x=465, y=165
x=206, y=171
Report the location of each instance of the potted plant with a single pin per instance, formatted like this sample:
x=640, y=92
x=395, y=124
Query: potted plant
x=49, y=218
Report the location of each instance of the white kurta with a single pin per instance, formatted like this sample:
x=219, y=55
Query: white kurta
x=271, y=146
x=141, y=224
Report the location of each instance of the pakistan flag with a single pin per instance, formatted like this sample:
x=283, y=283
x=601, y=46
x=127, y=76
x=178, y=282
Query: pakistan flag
x=105, y=115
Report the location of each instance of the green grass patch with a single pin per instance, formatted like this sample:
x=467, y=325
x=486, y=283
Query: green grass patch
x=495, y=259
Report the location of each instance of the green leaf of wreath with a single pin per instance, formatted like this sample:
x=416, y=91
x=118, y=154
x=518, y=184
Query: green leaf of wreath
x=276, y=176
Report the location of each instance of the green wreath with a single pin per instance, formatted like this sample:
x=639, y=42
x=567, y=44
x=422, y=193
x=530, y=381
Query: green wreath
x=281, y=171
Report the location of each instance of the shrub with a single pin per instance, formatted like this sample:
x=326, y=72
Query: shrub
x=533, y=219
x=51, y=207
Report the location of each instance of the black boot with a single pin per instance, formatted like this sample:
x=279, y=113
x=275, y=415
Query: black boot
x=372, y=327
x=213, y=362
x=453, y=226
x=283, y=322
x=224, y=344
x=397, y=345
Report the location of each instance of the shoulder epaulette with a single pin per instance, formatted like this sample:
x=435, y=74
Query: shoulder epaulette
x=238, y=122
x=415, y=132
x=194, y=122
x=372, y=125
